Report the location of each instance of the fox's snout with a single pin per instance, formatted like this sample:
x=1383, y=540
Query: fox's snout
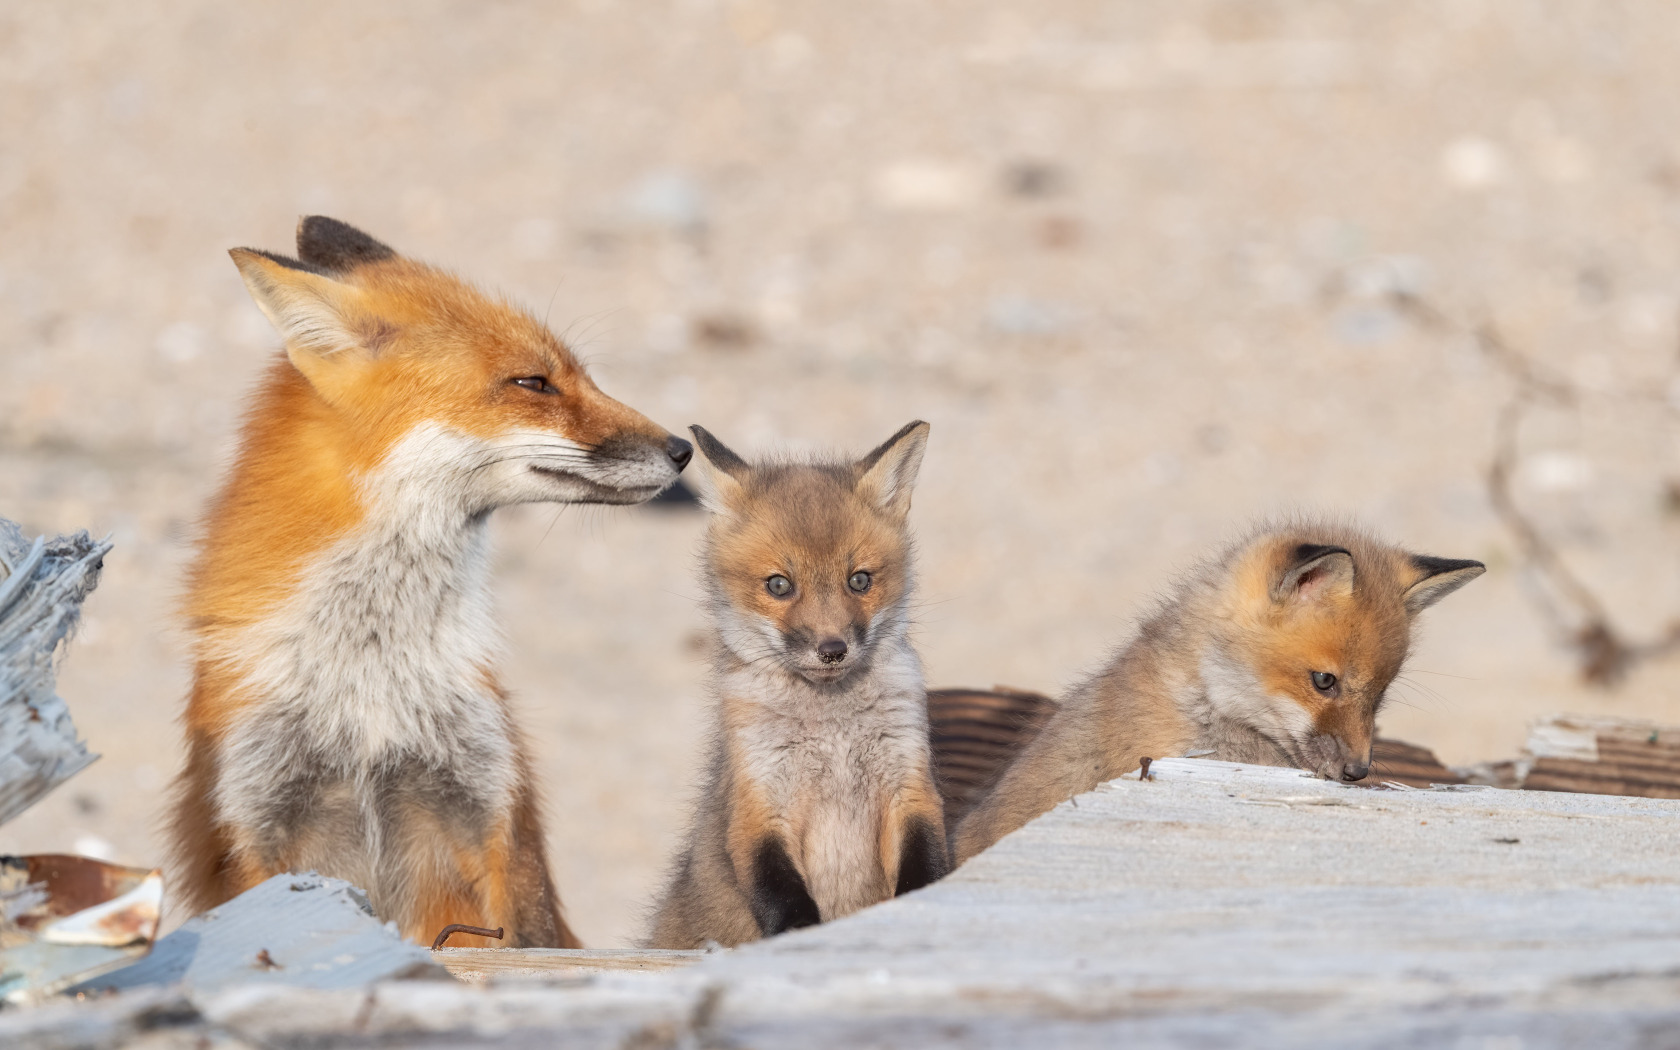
x=1336, y=758
x=824, y=653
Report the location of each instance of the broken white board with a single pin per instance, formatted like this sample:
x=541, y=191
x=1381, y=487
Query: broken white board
x=42, y=586
x=304, y=930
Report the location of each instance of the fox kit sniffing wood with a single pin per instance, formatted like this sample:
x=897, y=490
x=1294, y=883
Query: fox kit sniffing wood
x=346, y=714
x=1278, y=652
x=819, y=798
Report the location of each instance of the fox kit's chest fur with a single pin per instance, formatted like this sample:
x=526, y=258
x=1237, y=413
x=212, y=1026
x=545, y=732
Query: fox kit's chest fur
x=828, y=765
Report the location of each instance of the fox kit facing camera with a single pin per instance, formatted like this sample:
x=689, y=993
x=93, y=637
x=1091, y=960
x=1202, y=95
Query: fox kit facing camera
x=819, y=797
x=346, y=714
x=1279, y=652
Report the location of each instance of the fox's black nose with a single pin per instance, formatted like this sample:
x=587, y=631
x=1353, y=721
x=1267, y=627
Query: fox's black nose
x=1352, y=771
x=679, y=450
x=831, y=650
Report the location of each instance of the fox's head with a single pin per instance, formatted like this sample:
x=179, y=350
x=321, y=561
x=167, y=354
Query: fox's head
x=1316, y=626
x=497, y=410
x=809, y=563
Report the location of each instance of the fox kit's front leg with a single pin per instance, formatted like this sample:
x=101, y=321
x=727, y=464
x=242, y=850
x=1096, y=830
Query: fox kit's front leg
x=776, y=892
x=913, y=840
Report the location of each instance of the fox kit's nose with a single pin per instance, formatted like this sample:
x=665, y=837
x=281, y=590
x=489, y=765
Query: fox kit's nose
x=831, y=650
x=679, y=450
x=1352, y=771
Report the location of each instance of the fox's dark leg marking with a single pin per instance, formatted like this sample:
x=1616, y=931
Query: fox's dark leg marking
x=922, y=859
x=780, y=900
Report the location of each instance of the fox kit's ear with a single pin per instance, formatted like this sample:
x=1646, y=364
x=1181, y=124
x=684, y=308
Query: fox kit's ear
x=337, y=246
x=315, y=315
x=725, y=471
x=887, y=474
x=1313, y=573
x=1437, y=578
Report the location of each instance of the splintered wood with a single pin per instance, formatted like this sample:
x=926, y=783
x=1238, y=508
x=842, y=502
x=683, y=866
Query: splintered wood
x=42, y=585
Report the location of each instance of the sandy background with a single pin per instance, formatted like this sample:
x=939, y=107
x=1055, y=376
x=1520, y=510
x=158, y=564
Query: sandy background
x=1134, y=262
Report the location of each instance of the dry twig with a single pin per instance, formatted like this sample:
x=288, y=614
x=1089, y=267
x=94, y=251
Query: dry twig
x=1606, y=655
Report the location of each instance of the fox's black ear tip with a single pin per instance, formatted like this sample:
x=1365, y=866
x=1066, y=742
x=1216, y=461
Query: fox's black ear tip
x=336, y=245
x=716, y=452
x=1436, y=566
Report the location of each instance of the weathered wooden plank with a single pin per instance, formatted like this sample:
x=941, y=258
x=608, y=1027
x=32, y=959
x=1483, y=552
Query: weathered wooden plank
x=1212, y=906
x=296, y=930
x=42, y=586
x=481, y=964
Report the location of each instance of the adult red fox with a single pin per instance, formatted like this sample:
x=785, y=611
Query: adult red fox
x=820, y=797
x=1278, y=652
x=345, y=713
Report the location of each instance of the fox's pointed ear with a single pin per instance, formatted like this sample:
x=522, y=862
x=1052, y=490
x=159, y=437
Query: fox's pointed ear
x=1313, y=572
x=337, y=246
x=1437, y=578
x=319, y=318
x=887, y=474
x=725, y=471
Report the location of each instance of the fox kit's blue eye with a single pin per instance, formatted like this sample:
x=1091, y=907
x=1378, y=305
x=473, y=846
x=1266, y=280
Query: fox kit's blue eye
x=779, y=585
x=1323, y=681
x=860, y=581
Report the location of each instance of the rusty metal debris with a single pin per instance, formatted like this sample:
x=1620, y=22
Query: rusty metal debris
x=461, y=927
x=65, y=919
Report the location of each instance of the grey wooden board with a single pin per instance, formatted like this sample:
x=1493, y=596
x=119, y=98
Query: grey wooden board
x=317, y=933
x=1215, y=906
x=481, y=964
x=42, y=586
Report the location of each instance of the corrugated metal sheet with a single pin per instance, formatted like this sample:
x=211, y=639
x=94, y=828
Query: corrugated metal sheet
x=1603, y=757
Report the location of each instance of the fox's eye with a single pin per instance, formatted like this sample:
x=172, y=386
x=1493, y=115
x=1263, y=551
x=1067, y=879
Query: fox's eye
x=779, y=585
x=539, y=384
x=1324, y=681
x=860, y=581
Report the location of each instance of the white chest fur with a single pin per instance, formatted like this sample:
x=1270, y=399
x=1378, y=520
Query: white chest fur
x=830, y=761
x=377, y=664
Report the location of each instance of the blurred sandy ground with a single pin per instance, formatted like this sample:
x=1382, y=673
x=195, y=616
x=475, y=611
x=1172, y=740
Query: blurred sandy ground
x=1133, y=261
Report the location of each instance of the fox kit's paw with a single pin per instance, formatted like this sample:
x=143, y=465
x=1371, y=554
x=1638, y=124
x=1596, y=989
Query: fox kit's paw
x=780, y=900
x=922, y=859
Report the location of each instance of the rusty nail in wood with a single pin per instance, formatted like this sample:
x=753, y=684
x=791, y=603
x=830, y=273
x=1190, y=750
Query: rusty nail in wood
x=461, y=927
x=1143, y=768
